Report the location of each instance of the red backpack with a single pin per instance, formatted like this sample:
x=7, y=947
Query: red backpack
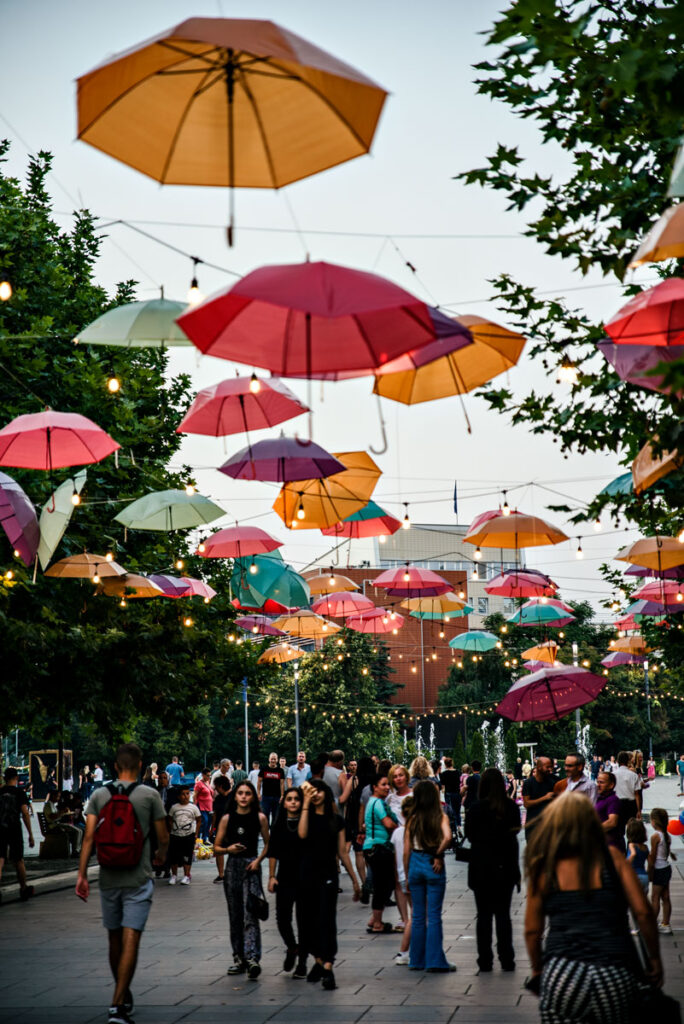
x=119, y=836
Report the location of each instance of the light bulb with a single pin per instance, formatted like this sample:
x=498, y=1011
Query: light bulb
x=543, y=599
x=9, y=575
x=5, y=291
x=474, y=657
x=413, y=668
x=201, y=547
x=393, y=615
x=179, y=563
x=385, y=619
x=340, y=657
x=254, y=568
x=194, y=294
x=579, y=553
x=75, y=498
x=207, y=600
x=567, y=372
x=478, y=554
x=382, y=538
x=109, y=556
x=231, y=638
x=499, y=644
x=187, y=621
x=254, y=384
x=324, y=627
x=190, y=490
x=680, y=596
x=407, y=576
x=515, y=661
x=395, y=631
x=680, y=536
x=325, y=665
x=17, y=554
x=255, y=629
x=113, y=384
x=96, y=578
x=122, y=602
x=505, y=509
x=598, y=525
x=293, y=524
x=340, y=642
x=441, y=634
x=434, y=656
x=475, y=574
x=364, y=671
x=561, y=635
x=461, y=594
x=300, y=511
x=585, y=663
x=406, y=525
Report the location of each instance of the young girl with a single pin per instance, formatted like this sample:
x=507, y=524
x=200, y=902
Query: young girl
x=284, y=859
x=659, y=869
x=637, y=850
x=238, y=836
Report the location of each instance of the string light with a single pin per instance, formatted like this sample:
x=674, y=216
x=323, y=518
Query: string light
x=9, y=575
x=189, y=490
x=478, y=554
x=187, y=622
x=254, y=568
x=579, y=553
x=475, y=574
x=195, y=296
x=201, y=547
x=75, y=498
x=254, y=384
x=113, y=385
x=441, y=634
x=122, y=602
x=461, y=594
x=406, y=525
x=505, y=509
x=96, y=577
x=407, y=574
x=567, y=372
x=301, y=514
x=109, y=556
x=180, y=563
x=598, y=525
x=5, y=291
x=382, y=538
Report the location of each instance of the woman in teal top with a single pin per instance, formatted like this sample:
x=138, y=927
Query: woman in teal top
x=377, y=849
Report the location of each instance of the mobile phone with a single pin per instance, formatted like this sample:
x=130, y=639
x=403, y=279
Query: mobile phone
x=307, y=788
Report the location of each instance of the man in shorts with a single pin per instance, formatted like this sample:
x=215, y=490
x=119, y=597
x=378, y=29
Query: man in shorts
x=14, y=807
x=125, y=893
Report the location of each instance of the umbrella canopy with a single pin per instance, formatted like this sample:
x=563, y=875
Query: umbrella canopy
x=449, y=366
x=238, y=542
x=305, y=623
x=280, y=653
x=198, y=588
x=545, y=652
x=316, y=504
x=521, y=583
x=18, y=519
x=653, y=317
x=169, y=510
x=259, y=625
x=534, y=666
x=55, y=516
x=648, y=468
x=131, y=585
x=240, y=404
x=310, y=320
x=653, y=553
x=273, y=581
x=631, y=644
x=149, y=324
x=328, y=583
x=467, y=609
x=51, y=440
x=676, y=573
x=281, y=459
x=440, y=606
x=377, y=621
x=171, y=586
x=411, y=582
x=664, y=592
x=665, y=240
x=550, y=693
x=269, y=607
x=475, y=640
x=369, y=521
x=341, y=603
x=516, y=530
x=617, y=658
x=633, y=363
x=534, y=612
x=620, y=485
x=640, y=610
x=85, y=566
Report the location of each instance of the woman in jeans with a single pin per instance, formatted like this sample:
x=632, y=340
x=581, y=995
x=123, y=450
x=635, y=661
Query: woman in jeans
x=427, y=836
x=380, y=822
x=238, y=836
x=203, y=798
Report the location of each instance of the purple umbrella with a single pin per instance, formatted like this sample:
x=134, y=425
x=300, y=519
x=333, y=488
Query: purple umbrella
x=550, y=693
x=632, y=362
x=282, y=459
x=676, y=573
x=18, y=519
x=172, y=586
x=616, y=658
x=259, y=624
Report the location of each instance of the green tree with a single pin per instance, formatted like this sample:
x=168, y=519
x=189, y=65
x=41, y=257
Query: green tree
x=459, y=754
x=511, y=747
x=476, y=750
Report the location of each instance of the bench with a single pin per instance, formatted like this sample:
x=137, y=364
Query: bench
x=55, y=845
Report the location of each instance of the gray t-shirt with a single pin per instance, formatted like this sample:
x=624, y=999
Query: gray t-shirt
x=148, y=809
x=331, y=777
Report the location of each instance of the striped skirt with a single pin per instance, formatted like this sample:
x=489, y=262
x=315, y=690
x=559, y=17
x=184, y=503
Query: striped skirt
x=572, y=990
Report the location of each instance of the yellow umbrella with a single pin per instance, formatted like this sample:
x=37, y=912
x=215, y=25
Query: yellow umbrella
x=328, y=582
x=442, y=605
x=648, y=468
x=412, y=380
x=665, y=240
x=306, y=623
x=131, y=585
x=516, y=530
x=653, y=553
x=280, y=653
x=314, y=504
x=228, y=102
x=542, y=652
x=633, y=644
x=85, y=566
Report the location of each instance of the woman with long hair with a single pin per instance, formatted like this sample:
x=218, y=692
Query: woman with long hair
x=427, y=836
x=377, y=849
x=322, y=829
x=492, y=825
x=582, y=886
x=419, y=770
x=659, y=868
x=238, y=837
x=350, y=799
x=284, y=859
x=399, y=791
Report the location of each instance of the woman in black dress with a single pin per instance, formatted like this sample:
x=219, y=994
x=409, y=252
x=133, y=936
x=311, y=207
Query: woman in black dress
x=284, y=859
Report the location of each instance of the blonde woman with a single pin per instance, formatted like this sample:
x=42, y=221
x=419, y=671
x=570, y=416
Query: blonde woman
x=420, y=770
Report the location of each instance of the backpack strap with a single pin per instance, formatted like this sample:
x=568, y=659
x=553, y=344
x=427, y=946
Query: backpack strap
x=117, y=789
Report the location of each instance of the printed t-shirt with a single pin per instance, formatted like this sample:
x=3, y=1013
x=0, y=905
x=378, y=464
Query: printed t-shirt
x=270, y=781
x=183, y=820
x=148, y=809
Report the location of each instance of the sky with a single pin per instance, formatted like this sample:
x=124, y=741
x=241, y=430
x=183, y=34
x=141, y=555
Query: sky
x=396, y=206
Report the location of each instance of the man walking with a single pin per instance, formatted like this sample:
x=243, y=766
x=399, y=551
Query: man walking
x=537, y=792
x=332, y=773
x=271, y=787
x=125, y=892
x=627, y=790
x=223, y=769
x=298, y=772
x=680, y=772
x=253, y=776
x=14, y=808
x=575, y=779
x=175, y=771
x=239, y=774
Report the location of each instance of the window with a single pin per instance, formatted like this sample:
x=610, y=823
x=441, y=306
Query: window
x=483, y=606
x=509, y=605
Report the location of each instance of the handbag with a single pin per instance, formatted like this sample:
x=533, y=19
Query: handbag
x=257, y=904
x=461, y=852
x=386, y=846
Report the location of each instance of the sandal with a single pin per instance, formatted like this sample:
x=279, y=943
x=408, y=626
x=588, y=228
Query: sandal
x=386, y=929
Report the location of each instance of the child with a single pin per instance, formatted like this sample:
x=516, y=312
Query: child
x=659, y=869
x=637, y=850
x=184, y=821
x=403, y=896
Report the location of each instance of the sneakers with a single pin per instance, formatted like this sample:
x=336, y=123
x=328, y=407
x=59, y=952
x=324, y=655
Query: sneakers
x=290, y=959
x=401, y=960
x=328, y=980
x=185, y=880
x=665, y=929
x=316, y=973
x=300, y=970
x=128, y=1003
x=26, y=893
x=253, y=970
x=118, y=1015
x=239, y=967
x=218, y=880
x=172, y=880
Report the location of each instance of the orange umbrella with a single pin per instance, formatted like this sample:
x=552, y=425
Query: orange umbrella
x=305, y=623
x=665, y=240
x=542, y=652
x=228, y=101
x=634, y=644
x=648, y=468
x=280, y=653
x=443, y=604
x=436, y=371
x=314, y=504
x=85, y=567
x=515, y=530
x=653, y=553
x=131, y=585
x=328, y=583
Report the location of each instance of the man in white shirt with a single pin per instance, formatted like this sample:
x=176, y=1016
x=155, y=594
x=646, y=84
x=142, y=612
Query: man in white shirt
x=577, y=781
x=253, y=776
x=627, y=790
x=332, y=773
x=224, y=769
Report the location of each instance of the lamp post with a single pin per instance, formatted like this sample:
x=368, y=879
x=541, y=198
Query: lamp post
x=578, y=723
x=246, y=703
x=296, y=703
x=648, y=709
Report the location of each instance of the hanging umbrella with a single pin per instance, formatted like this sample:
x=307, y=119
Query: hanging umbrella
x=18, y=519
x=85, y=566
x=620, y=485
x=633, y=363
x=467, y=609
x=228, y=102
x=411, y=582
x=169, y=510
x=617, y=658
x=639, y=611
x=310, y=320
x=315, y=504
x=281, y=459
x=305, y=623
x=535, y=612
x=240, y=404
x=631, y=644
x=534, y=666
x=545, y=652
x=277, y=583
x=55, y=516
x=171, y=586
x=550, y=693
x=341, y=603
x=328, y=583
x=521, y=583
x=648, y=468
x=280, y=653
x=131, y=585
x=267, y=608
x=516, y=530
x=369, y=521
x=51, y=440
x=148, y=324
x=475, y=640
x=653, y=553
x=663, y=592
x=440, y=606
x=676, y=573
x=448, y=366
x=259, y=625
x=198, y=588
x=375, y=621
x=665, y=240
x=238, y=542
x=653, y=317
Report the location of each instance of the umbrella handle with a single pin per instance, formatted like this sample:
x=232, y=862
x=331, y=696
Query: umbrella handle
x=380, y=451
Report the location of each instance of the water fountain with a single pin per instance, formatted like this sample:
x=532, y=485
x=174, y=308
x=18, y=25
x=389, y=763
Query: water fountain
x=419, y=739
x=431, y=749
x=484, y=729
x=583, y=745
x=499, y=749
x=405, y=745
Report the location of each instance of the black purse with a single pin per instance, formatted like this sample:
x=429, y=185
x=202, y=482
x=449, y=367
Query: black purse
x=257, y=905
x=461, y=852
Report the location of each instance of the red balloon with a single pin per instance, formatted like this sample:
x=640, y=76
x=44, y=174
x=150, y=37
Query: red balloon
x=675, y=827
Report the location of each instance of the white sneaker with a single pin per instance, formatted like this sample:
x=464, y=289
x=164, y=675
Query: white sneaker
x=172, y=880
x=185, y=880
x=664, y=929
x=401, y=960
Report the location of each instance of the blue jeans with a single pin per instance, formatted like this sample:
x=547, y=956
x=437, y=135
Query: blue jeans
x=205, y=826
x=427, y=895
x=269, y=806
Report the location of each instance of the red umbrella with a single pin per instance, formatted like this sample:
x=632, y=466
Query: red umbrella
x=238, y=542
x=198, y=588
x=240, y=404
x=379, y=620
x=411, y=582
x=653, y=317
x=370, y=521
x=521, y=583
x=342, y=603
x=51, y=440
x=18, y=519
x=550, y=693
x=282, y=459
x=664, y=592
x=171, y=586
x=310, y=319
x=632, y=363
x=269, y=606
x=260, y=625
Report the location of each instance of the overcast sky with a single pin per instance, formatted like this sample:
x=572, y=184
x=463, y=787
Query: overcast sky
x=375, y=213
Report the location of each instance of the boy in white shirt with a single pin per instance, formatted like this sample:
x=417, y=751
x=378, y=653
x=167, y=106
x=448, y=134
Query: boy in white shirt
x=184, y=825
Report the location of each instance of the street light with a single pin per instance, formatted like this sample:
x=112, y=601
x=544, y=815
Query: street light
x=648, y=709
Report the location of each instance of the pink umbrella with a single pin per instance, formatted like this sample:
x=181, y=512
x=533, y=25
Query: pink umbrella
x=663, y=592
x=240, y=404
x=51, y=440
x=411, y=582
x=534, y=666
x=310, y=319
x=18, y=519
x=379, y=620
x=550, y=693
x=632, y=363
x=521, y=583
x=342, y=603
x=282, y=459
x=653, y=317
x=369, y=521
x=616, y=658
x=259, y=625
x=238, y=542
x=198, y=588
x=171, y=586
x=675, y=573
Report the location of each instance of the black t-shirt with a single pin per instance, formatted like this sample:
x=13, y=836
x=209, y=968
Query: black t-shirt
x=517, y=770
x=534, y=790
x=319, y=854
x=12, y=799
x=270, y=781
x=472, y=786
x=221, y=805
x=451, y=780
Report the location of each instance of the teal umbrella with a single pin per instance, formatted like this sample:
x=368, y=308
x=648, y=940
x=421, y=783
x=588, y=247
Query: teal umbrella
x=268, y=578
x=150, y=324
x=541, y=614
x=620, y=485
x=169, y=510
x=55, y=516
x=440, y=617
x=475, y=640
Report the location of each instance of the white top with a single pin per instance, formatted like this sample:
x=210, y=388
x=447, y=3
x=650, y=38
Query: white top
x=97, y=775
x=253, y=777
x=394, y=802
x=626, y=783
x=398, y=844
x=215, y=776
x=662, y=856
x=183, y=817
